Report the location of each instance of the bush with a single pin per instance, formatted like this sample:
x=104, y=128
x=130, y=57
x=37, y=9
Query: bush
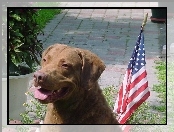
x=23, y=44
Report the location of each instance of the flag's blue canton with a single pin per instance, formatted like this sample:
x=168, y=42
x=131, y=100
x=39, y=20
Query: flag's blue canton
x=137, y=60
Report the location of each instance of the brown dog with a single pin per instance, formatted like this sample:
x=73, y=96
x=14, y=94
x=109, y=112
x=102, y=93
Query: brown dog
x=67, y=82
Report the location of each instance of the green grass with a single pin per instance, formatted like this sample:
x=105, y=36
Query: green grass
x=45, y=15
x=161, y=88
x=144, y=113
x=161, y=108
x=109, y=93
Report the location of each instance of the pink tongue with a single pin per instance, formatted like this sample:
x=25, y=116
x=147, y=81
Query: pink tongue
x=42, y=94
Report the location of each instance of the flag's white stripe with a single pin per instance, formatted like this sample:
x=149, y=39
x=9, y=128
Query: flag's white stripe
x=137, y=86
x=135, y=100
x=116, y=104
x=124, y=87
x=125, y=83
x=124, y=91
x=138, y=73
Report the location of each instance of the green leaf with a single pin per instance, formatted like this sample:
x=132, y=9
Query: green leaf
x=28, y=40
x=19, y=45
x=11, y=23
x=17, y=17
x=17, y=40
x=17, y=50
x=18, y=34
x=15, y=59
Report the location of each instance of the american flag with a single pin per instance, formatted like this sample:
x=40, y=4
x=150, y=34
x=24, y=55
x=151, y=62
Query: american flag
x=134, y=88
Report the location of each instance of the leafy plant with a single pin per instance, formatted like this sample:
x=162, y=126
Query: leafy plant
x=24, y=48
x=34, y=108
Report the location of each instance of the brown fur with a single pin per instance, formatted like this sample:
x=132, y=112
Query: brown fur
x=85, y=103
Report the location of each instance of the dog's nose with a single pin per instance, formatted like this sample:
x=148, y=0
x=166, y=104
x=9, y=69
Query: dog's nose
x=39, y=77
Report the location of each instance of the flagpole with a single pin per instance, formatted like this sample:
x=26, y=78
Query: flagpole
x=144, y=21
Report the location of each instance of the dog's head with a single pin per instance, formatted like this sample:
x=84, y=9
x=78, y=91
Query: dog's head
x=65, y=71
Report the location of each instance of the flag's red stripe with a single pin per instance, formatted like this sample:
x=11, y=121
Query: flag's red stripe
x=134, y=107
x=138, y=79
x=137, y=92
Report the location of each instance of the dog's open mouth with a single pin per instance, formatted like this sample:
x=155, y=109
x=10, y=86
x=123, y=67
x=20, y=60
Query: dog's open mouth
x=50, y=95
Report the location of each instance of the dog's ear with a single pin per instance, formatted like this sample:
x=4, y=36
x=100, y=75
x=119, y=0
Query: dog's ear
x=92, y=67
